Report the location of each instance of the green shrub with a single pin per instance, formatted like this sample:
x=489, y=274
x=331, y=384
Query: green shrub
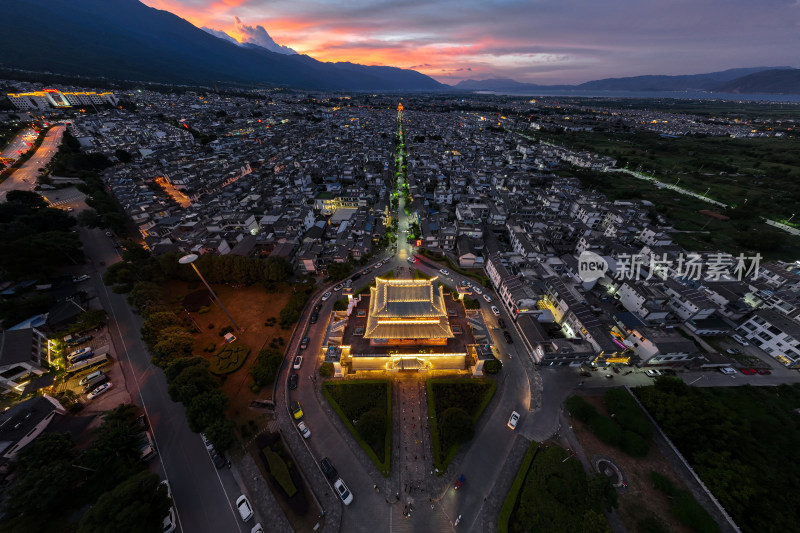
x=580, y=409
x=264, y=370
x=692, y=515
x=280, y=472
x=633, y=444
x=340, y=304
x=228, y=359
x=492, y=367
x=326, y=370
x=203, y=310
x=606, y=430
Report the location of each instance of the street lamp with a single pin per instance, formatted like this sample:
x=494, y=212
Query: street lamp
x=189, y=260
x=790, y=218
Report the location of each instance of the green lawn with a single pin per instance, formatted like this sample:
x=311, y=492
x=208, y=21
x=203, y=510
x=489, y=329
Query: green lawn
x=365, y=408
x=468, y=397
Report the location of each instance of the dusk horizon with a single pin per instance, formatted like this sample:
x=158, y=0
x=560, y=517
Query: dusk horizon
x=541, y=43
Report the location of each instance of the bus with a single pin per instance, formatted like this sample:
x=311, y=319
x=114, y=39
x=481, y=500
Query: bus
x=94, y=362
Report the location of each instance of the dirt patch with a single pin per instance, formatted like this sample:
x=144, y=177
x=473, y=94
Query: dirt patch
x=640, y=499
x=252, y=308
x=195, y=300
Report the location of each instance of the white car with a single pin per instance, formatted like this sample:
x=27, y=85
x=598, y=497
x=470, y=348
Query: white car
x=298, y=362
x=245, y=509
x=513, y=420
x=728, y=370
x=444, y=272
x=653, y=373
x=741, y=340
x=78, y=279
x=487, y=298
x=379, y=263
x=326, y=296
x=257, y=528
x=80, y=351
x=338, y=287
x=477, y=289
x=206, y=442
x=98, y=391
x=343, y=492
x=169, y=520
x=412, y=260
x=303, y=429
x=496, y=311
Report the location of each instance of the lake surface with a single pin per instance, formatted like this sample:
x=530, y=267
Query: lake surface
x=685, y=95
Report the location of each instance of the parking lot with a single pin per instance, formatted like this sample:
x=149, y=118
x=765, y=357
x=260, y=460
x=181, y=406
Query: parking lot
x=116, y=394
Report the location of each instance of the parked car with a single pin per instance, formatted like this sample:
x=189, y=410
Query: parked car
x=169, y=520
x=314, y=318
x=298, y=362
x=293, y=379
x=328, y=469
x=741, y=340
x=343, y=492
x=79, y=340
x=98, y=391
x=317, y=308
x=764, y=371
x=81, y=357
x=80, y=278
x=218, y=458
x=732, y=351
x=245, y=509
x=80, y=351
x=303, y=429
x=501, y=323
x=88, y=378
x=379, y=264
x=338, y=287
x=728, y=370
x=95, y=383
x=257, y=529
x=297, y=411
x=206, y=442
x=326, y=296
x=304, y=343
x=507, y=335
x=487, y=298
x=444, y=272
x=413, y=260
x=477, y=289
x=653, y=373
x=355, y=277
x=749, y=371
x=513, y=420
x=495, y=310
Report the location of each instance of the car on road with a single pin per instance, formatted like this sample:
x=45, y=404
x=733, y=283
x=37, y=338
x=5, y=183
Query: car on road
x=317, y=308
x=513, y=420
x=653, y=373
x=507, y=335
x=245, y=509
x=764, y=371
x=98, y=391
x=477, y=289
x=169, y=520
x=298, y=362
x=303, y=429
x=732, y=351
x=109, y=234
x=367, y=271
x=487, y=298
x=495, y=310
x=501, y=323
x=297, y=411
x=293, y=379
x=749, y=371
x=304, y=343
x=328, y=469
x=728, y=370
x=343, y=492
x=444, y=272
x=338, y=287
x=412, y=260
x=378, y=264
x=314, y=318
x=326, y=296
x=257, y=529
x=741, y=340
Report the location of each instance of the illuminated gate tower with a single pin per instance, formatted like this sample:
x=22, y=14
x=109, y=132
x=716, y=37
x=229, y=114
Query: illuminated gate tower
x=405, y=325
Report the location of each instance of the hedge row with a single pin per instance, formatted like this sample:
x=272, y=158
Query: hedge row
x=513, y=494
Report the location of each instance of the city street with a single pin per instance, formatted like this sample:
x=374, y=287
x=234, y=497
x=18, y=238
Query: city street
x=204, y=496
x=19, y=144
x=24, y=178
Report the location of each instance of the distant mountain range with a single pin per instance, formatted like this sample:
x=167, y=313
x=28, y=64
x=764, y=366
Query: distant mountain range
x=779, y=80
x=127, y=40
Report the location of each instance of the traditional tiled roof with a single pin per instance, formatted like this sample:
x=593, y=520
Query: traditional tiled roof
x=407, y=309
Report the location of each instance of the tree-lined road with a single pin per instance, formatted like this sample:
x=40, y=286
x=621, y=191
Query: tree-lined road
x=25, y=177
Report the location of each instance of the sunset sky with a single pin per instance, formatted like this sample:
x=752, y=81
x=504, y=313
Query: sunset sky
x=537, y=41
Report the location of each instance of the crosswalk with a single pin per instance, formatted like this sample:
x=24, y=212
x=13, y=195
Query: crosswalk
x=67, y=200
